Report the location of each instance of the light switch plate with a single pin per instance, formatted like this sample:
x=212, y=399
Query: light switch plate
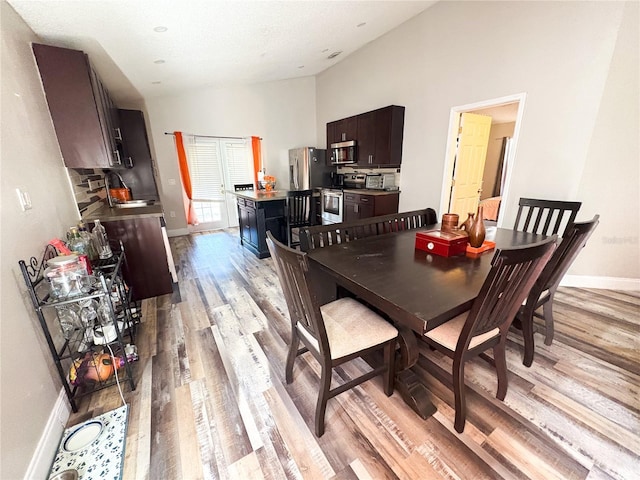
x=24, y=199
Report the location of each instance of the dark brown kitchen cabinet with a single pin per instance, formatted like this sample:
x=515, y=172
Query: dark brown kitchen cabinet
x=357, y=206
x=139, y=177
x=256, y=218
x=379, y=137
x=146, y=270
x=342, y=130
x=83, y=114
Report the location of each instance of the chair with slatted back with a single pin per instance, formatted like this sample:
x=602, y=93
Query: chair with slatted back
x=544, y=290
x=513, y=273
x=318, y=236
x=298, y=214
x=334, y=333
x=545, y=217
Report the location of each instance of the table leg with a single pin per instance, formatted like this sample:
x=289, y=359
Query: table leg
x=411, y=389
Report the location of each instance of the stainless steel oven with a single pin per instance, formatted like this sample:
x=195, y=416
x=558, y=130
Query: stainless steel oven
x=332, y=206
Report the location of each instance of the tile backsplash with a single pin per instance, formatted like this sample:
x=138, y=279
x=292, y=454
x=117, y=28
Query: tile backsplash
x=87, y=199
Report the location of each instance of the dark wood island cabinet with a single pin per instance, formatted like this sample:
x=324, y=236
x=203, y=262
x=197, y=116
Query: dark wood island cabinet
x=259, y=213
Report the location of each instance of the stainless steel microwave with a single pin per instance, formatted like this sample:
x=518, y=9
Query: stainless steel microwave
x=343, y=153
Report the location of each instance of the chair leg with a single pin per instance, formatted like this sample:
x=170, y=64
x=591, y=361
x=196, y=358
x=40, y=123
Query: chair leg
x=526, y=323
x=547, y=311
x=291, y=356
x=501, y=369
x=323, y=396
x=459, y=395
x=389, y=361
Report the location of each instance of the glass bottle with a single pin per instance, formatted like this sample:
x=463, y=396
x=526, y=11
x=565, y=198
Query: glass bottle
x=92, y=253
x=102, y=242
x=75, y=242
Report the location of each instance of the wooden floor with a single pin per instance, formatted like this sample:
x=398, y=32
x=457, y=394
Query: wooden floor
x=211, y=401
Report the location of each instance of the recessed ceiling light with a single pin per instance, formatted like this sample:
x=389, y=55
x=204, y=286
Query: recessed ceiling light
x=160, y=29
x=361, y=24
x=159, y=62
x=156, y=83
x=334, y=55
x=300, y=66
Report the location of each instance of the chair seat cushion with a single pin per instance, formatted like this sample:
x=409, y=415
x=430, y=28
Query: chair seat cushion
x=352, y=327
x=448, y=333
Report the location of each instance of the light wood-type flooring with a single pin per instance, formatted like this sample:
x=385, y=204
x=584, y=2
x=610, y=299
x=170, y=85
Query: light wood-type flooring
x=211, y=401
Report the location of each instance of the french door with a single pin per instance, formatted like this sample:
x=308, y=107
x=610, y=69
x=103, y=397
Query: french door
x=215, y=165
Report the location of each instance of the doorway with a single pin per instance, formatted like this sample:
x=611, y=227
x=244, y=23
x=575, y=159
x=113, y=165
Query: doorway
x=506, y=113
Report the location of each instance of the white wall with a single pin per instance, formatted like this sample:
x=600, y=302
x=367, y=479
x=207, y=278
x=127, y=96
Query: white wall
x=559, y=53
x=30, y=160
x=282, y=113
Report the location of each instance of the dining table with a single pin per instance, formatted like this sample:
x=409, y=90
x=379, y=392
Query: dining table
x=414, y=289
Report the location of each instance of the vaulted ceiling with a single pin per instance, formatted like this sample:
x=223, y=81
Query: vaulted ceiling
x=149, y=48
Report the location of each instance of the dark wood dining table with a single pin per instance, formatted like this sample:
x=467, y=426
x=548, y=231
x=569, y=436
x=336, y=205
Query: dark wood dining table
x=415, y=289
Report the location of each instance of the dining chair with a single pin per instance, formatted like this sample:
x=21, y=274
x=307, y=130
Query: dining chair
x=334, y=333
x=243, y=187
x=544, y=290
x=298, y=214
x=513, y=273
x=318, y=236
x=545, y=217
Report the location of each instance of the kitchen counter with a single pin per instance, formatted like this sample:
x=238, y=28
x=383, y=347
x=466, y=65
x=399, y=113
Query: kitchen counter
x=106, y=214
x=369, y=191
x=262, y=195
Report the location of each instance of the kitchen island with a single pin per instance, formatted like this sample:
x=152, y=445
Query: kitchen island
x=259, y=212
x=148, y=269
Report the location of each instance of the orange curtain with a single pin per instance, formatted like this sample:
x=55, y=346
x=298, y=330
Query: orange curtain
x=186, y=177
x=256, y=147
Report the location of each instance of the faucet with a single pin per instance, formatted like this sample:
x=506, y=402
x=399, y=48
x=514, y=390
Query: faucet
x=107, y=186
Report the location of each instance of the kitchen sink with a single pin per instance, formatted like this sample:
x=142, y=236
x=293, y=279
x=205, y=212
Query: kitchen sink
x=133, y=203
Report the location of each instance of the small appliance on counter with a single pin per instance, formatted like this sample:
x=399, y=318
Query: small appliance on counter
x=381, y=181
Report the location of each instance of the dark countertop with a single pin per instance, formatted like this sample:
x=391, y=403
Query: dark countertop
x=261, y=195
x=105, y=214
x=369, y=191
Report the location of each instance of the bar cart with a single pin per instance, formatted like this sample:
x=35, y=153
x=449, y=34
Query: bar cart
x=90, y=330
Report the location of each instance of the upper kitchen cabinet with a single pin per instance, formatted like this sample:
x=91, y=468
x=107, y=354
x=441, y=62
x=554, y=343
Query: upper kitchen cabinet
x=342, y=130
x=140, y=177
x=84, y=116
x=379, y=136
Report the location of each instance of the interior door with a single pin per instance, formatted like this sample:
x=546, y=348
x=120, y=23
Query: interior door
x=473, y=140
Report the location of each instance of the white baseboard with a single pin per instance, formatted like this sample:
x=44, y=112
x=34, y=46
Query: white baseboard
x=48, y=445
x=608, y=283
x=178, y=232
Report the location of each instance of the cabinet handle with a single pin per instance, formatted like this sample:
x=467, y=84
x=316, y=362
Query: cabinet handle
x=130, y=162
x=343, y=135
x=117, y=154
x=118, y=133
x=370, y=158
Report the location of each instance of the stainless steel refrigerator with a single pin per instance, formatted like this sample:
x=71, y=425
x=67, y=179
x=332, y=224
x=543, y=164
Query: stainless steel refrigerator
x=308, y=169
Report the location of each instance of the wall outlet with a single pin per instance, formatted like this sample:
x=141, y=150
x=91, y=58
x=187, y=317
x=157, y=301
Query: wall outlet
x=172, y=214
x=171, y=181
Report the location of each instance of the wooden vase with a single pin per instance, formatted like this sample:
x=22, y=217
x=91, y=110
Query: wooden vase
x=477, y=232
x=468, y=223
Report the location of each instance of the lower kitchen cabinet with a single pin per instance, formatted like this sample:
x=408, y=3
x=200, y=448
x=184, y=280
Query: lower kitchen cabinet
x=357, y=205
x=256, y=218
x=147, y=269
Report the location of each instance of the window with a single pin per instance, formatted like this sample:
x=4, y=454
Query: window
x=213, y=163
